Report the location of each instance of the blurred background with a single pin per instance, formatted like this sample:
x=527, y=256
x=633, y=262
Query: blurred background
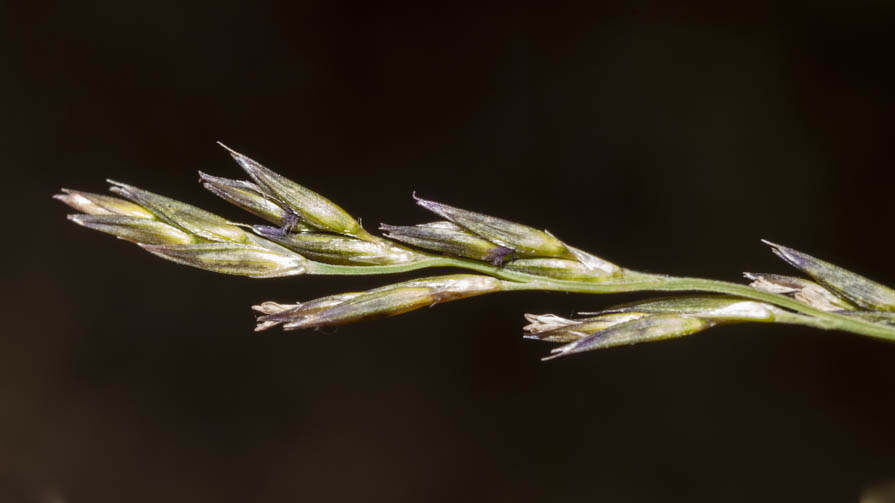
x=663, y=139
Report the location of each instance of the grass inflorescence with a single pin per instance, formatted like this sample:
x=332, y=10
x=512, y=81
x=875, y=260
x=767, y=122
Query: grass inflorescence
x=307, y=233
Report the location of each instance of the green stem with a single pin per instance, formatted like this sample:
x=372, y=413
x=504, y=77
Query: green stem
x=624, y=283
x=628, y=281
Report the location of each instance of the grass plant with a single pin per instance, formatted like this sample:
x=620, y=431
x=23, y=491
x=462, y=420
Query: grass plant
x=308, y=234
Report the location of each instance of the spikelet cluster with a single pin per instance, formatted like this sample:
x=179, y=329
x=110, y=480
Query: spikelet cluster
x=306, y=233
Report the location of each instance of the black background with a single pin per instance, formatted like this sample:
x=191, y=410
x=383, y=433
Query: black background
x=666, y=140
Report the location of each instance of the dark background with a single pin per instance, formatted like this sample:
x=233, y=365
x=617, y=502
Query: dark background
x=666, y=140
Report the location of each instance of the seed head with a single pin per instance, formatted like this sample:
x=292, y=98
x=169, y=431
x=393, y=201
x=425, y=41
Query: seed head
x=100, y=204
x=232, y=258
x=449, y=238
x=524, y=240
x=138, y=230
x=551, y=328
x=858, y=289
x=643, y=329
x=555, y=268
x=645, y=321
x=314, y=209
x=275, y=313
x=193, y=220
x=390, y=300
x=335, y=249
x=801, y=289
x=247, y=196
